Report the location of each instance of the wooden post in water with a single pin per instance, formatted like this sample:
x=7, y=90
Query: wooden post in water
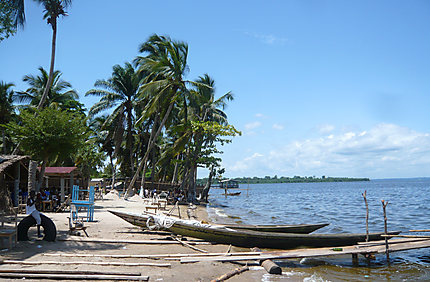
x=387, y=251
x=367, y=215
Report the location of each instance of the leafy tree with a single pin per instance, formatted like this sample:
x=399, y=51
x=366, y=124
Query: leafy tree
x=119, y=92
x=51, y=135
x=165, y=64
x=7, y=96
x=7, y=17
x=60, y=95
x=53, y=10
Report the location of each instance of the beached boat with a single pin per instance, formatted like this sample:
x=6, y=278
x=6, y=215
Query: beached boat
x=140, y=220
x=244, y=238
x=293, y=228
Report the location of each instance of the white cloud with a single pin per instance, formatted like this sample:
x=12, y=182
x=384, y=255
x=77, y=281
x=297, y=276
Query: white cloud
x=325, y=128
x=278, y=126
x=387, y=150
x=252, y=125
x=259, y=115
x=269, y=39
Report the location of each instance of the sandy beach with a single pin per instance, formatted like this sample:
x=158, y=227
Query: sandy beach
x=108, y=226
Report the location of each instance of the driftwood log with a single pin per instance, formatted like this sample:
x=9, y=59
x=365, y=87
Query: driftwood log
x=269, y=265
x=231, y=274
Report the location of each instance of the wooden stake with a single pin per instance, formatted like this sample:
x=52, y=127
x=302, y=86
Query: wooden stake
x=231, y=274
x=367, y=215
x=387, y=251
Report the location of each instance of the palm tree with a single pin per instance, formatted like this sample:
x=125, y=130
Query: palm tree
x=60, y=95
x=119, y=92
x=7, y=96
x=53, y=10
x=165, y=65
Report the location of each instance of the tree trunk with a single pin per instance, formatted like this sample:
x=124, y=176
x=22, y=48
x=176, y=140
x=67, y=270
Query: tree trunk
x=205, y=191
x=4, y=140
x=130, y=136
x=51, y=68
x=175, y=171
x=42, y=174
x=32, y=170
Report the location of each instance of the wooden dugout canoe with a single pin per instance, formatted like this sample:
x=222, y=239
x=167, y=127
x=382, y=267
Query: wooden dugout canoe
x=140, y=220
x=246, y=238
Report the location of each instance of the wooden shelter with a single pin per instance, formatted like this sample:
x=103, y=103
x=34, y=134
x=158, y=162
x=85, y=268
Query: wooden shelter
x=229, y=183
x=60, y=180
x=13, y=179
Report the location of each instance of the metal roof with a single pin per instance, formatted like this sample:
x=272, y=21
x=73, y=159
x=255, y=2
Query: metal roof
x=60, y=170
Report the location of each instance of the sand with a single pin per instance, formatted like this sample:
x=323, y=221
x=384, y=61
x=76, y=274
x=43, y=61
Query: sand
x=108, y=226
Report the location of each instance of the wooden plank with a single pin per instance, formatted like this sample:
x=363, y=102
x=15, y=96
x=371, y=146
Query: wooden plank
x=153, y=256
x=84, y=272
x=117, y=241
x=420, y=230
x=317, y=252
x=392, y=241
x=408, y=236
x=85, y=262
x=72, y=276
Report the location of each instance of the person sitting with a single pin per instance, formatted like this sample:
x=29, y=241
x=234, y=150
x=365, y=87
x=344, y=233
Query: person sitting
x=32, y=210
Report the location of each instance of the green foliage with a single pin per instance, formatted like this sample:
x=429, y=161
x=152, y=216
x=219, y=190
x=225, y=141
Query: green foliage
x=7, y=17
x=50, y=135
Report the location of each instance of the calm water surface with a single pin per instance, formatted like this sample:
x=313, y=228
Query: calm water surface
x=340, y=204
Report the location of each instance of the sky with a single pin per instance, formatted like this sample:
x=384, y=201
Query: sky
x=334, y=88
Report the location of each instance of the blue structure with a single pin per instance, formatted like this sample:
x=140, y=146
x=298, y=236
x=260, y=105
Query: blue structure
x=88, y=204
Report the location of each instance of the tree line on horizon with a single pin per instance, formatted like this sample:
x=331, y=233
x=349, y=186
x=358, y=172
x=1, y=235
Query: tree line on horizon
x=150, y=123
x=283, y=179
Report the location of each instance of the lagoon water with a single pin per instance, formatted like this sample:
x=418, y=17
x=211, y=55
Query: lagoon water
x=341, y=204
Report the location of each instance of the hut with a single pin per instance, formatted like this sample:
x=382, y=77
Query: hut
x=13, y=179
x=59, y=180
x=229, y=183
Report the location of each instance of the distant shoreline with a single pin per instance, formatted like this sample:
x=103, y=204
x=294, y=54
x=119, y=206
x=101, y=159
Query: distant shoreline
x=295, y=179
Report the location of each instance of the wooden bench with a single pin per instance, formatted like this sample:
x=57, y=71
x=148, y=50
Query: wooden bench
x=8, y=227
x=151, y=207
x=162, y=203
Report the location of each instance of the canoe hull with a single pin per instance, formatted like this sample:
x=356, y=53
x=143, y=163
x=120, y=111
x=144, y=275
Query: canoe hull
x=249, y=238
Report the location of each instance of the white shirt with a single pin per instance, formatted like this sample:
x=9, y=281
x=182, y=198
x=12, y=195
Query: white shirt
x=30, y=208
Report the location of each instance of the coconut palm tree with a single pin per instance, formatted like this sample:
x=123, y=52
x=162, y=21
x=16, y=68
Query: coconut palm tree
x=60, y=95
x=121, y=93
x=7, y=97
x=165, y=64
x=53, y=10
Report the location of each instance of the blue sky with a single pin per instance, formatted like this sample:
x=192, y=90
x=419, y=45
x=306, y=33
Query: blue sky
x=335, y=88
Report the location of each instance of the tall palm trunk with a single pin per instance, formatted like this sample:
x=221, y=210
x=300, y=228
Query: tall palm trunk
x=148, y=150
x=3, y=140
x=32, y=167
x=130, y=135
x=42, y=174
x=51, y=68
x=175, y=171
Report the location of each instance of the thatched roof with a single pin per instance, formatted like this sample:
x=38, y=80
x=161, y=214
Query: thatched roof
x=8, y=160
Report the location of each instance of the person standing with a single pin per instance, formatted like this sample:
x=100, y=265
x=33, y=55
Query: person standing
x=32, y=210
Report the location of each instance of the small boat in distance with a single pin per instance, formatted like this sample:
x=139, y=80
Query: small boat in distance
x=232, y=194
x=243, y=237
